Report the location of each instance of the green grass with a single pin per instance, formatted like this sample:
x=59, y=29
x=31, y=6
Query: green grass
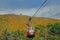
x=42, y=33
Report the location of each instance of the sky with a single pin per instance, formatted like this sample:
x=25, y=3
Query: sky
x=51, y=9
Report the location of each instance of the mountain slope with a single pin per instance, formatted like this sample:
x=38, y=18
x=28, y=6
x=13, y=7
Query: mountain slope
x=18, y=22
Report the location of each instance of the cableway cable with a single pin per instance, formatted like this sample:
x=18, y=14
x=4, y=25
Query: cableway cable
x=36, y=12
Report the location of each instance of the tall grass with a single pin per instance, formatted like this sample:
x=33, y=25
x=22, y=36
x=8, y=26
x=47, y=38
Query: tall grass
x=50, y=32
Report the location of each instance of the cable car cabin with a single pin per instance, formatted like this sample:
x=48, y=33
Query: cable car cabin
x=30, y=33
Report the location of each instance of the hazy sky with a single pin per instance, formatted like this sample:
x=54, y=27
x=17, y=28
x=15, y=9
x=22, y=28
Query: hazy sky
x=28, y=7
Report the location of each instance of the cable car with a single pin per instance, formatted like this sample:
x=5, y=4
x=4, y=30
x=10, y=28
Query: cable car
x=30, y=33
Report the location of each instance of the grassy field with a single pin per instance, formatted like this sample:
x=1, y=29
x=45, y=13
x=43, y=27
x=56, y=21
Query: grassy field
x=14, y=26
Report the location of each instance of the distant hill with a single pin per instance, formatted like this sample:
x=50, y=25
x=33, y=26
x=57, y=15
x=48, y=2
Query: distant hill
x=18, y=22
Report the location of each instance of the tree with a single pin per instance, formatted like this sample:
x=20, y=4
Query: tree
x=54, y=28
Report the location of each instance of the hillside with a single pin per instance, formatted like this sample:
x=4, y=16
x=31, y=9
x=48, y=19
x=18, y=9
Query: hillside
x=18, y=22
